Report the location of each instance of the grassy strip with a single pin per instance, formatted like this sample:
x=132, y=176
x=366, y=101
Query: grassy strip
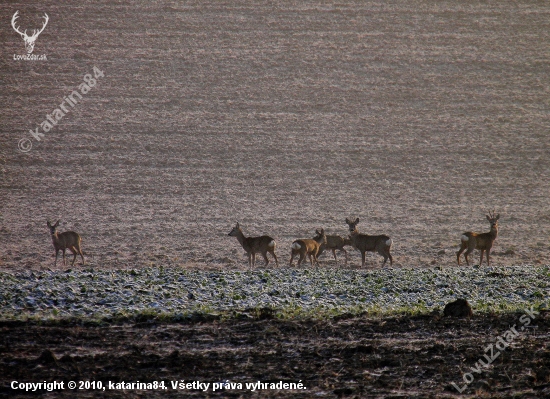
x=321, y=313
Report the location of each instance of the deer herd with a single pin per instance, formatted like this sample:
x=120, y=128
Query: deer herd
x=312, y=247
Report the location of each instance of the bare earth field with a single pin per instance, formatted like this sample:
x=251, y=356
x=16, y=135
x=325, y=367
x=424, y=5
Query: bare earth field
x=415, y=116
x=362, y=358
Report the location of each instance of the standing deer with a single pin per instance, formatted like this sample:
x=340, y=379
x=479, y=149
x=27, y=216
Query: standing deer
x=66, y=240
x=481, y=241
x=334, y=243
x=29, y=40
x=309, y=247
x=364, y=242
x=253, y=245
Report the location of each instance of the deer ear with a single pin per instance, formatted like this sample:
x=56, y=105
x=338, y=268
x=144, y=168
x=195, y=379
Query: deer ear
x=487, y=216
x=356, y=220
x=347, y=221
x=498, y=217
x=56, y=224
x=49, y=224
x=237, y=225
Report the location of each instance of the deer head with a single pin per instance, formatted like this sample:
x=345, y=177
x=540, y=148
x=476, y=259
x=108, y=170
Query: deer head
x=29, y=40
x=320, y=236
x=352, y=225
x=235, y=231
x=53, y=227
x=493, y=219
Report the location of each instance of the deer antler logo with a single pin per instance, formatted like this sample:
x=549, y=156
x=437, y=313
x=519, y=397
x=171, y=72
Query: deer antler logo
x=29, y=40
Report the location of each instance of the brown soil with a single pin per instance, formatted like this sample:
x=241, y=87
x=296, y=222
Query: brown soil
x=417, y=117
x=359, y=357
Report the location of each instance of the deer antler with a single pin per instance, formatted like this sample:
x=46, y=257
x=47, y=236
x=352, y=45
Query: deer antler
x=36, y=31
x=15, y=16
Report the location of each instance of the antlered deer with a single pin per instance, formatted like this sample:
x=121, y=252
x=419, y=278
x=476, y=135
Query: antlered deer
x=66, y=240
x=481, y=241
x=29, y=40
x=254, y=245
x=334, y=243
x=364, y=242
x=309, y=247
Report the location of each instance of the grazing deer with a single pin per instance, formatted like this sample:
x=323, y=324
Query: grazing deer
x=309, y=246
x=253, y=245
x=334, y=243
x=62, y=241
x=364, y=242
x=29, y=40
x=481, y=241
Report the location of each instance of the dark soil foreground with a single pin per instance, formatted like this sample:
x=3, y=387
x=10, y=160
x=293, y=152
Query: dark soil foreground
x=355, y=357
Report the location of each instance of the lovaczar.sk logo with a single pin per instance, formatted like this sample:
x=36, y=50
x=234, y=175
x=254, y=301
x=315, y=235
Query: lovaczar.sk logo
x=30, y=41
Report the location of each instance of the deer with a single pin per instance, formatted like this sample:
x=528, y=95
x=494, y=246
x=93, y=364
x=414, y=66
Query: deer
x=29, y=40
x=254, y=245
x=309, y=247
x=364, y=242
x=66, y=240
x=335, y=242
x=482, y=241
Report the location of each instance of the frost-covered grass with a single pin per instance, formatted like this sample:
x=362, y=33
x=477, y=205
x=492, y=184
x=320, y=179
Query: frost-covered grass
x=177, y=293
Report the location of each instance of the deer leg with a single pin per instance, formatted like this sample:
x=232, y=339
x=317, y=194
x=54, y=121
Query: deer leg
x=363, y=253
x=79, y=251
x=299, y=256
x=56, y=254
x=334, y=253
x=275, y=256
x=487, y=257
x=302, y=257
x=73, y=250
x=315, y=258
x=387, y=249
x=462, y=248
x=384, y=253
x=265, y=257
x=468, y=252
x=346, y=254
x=291, y=257
x=471, y=247
x=64, y=263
